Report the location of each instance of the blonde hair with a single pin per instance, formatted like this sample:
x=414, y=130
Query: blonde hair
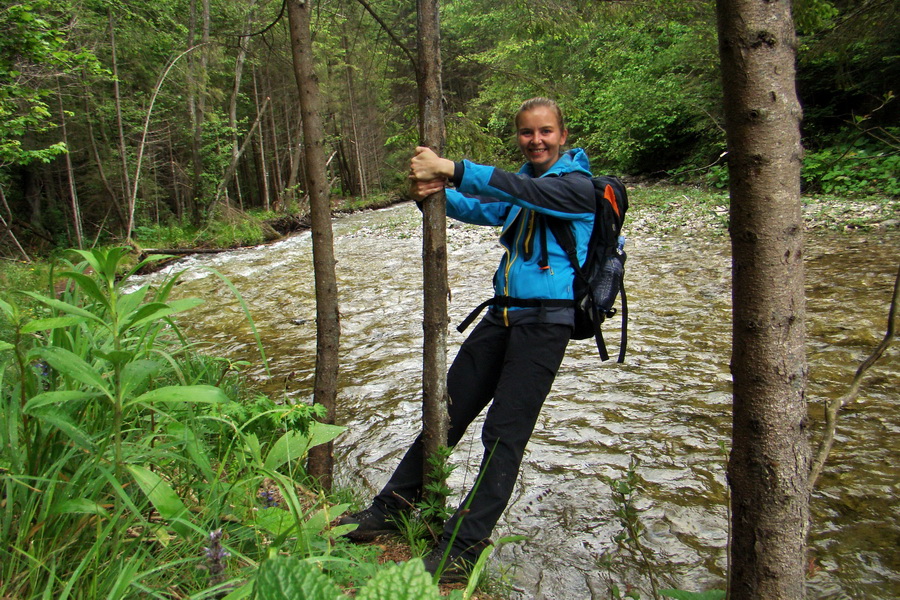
x=533, y=103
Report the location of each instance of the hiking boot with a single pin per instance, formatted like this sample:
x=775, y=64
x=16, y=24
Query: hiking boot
x=457, y=567
x=371, y=523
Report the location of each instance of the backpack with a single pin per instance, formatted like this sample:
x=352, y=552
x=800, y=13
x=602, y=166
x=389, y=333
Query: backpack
x=599, y=280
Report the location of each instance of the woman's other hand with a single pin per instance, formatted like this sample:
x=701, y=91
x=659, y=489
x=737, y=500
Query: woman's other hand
x=419, y=190
x=426, y=165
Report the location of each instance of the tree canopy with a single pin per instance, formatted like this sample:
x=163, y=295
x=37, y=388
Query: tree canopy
x=638, y=80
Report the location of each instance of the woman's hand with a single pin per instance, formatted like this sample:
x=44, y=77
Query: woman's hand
x=419, y=190
x=426, y=166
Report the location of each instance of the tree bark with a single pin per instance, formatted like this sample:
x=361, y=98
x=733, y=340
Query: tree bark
x=321, y=458
x=435, y=421
x=769, y=462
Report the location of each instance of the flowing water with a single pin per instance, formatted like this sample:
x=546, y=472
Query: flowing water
x=668, y=406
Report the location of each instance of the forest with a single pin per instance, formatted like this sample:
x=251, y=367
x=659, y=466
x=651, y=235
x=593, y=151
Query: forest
x=138, y=461
x=119, y=117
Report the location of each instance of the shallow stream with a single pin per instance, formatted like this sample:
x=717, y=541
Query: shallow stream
x=668, y=406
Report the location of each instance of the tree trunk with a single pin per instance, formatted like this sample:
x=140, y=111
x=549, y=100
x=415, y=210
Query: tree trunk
x=435, y=421
x=769, y=461
x=70, y=175
x=123, y=156
x=321, y=458
x=264, y=174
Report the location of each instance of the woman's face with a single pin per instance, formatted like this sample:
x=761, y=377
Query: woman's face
x=540, y=137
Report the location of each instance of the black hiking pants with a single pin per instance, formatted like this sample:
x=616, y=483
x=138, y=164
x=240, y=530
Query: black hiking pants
x=515, y=366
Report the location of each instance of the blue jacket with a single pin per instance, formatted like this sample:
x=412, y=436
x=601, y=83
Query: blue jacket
x=489, y=196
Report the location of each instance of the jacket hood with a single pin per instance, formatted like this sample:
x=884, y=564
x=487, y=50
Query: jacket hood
x=571, y=161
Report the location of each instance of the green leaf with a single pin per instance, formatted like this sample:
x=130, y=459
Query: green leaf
x=293, y=444
x=407, y=581
x=65, y=307
x=5, y=346
x=198, y=394
x=319, y=521
x=287, y=578
x=79, y=506
x=128, y=303
x=62, y=421
x=72, y=365
x=135, y=374
x=57, y=397
x=88, y=286
x=163, y=498
x=276, y=521
x=51, y=323
x=194, y=446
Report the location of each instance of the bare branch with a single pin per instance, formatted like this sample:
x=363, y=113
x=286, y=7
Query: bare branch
x=834, y=406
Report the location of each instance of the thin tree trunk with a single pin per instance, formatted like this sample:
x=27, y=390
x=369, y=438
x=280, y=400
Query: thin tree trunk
x=126, y=180
x=435, y=421
x=277, y=183
x=236, y=157
x=262, y=147
x=243, y=44
x=95, y=151
x=321, y=458
x=73, y=193
x=769, y=462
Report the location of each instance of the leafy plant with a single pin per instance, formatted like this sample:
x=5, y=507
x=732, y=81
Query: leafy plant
x=117, y=441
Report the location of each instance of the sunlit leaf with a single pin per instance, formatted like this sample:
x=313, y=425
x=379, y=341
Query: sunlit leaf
x=200, y=394
x=72, y=365
x=163, y=498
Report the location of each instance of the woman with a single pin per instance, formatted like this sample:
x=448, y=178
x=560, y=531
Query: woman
x=512, y=356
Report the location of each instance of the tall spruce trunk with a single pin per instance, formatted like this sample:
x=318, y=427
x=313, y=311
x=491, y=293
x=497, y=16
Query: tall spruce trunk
x=769, y=461
x=328, y=330
x=435, y=421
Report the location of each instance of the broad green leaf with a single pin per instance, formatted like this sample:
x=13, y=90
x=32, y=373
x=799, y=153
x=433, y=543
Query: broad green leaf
x=116, y=357
x=58, y=397
x=65, y=307
x=7, y=308
x=322, y=433
x=72, y=365
x=274, y=520
x=319, y=521
x=88, y=286
x=62, y=421
x=128, y=303
x=245, y=591
x=79, y=506
x=287, y=578
x=135, y=374
x=163, y=498
x=180, y=432
x=5, y=346
x=51, y=323
x=293, y=444
x=406, y=581
x=200, y=394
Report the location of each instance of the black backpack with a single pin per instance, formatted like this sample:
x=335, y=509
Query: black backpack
x=599, y=280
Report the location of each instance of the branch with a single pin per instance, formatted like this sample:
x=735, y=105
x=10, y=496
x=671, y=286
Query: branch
x=834, y=406
x=391, y=34
x=232, y=167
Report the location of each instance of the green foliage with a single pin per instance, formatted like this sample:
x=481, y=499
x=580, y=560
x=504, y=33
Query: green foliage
x=433, y=507
x=863, y=168
x=109, y=419
x=33, y=52
x=630, y=545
